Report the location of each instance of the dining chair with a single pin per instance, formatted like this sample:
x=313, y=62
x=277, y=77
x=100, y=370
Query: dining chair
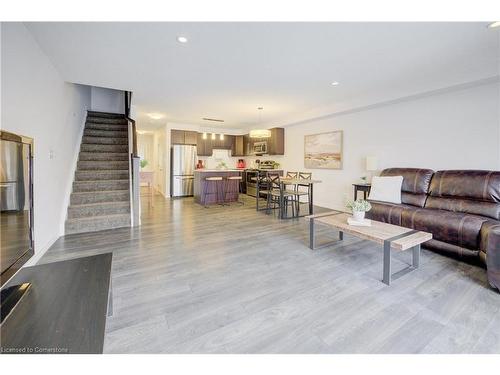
x=303, y=189
x=291, y=175
x=273, y=194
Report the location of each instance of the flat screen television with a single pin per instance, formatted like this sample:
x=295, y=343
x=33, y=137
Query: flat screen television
x=16, y=214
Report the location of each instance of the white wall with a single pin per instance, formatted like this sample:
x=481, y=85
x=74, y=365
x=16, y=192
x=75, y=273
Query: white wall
x=37, y=103
x=107, y=100
x=453, y=130
x=160, y=160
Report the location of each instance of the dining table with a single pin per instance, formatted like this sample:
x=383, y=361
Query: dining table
x=284, y=181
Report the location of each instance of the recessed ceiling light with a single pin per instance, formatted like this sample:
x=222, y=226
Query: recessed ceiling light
x=335, y=83
x=155, y=116
x=182, y=39
x=494, y=25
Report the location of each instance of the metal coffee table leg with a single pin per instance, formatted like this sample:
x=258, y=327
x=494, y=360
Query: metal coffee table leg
x=387, y=263
x=312, y=237
x=416, y=256
x=387, y=275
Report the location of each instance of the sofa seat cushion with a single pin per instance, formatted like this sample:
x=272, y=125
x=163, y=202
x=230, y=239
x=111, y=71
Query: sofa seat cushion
x=452, y=227
x=387, y=212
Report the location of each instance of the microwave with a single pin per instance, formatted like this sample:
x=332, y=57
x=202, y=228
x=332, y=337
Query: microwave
x=260, y=148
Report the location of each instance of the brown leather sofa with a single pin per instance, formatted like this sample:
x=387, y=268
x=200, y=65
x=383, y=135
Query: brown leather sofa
x=461, y=208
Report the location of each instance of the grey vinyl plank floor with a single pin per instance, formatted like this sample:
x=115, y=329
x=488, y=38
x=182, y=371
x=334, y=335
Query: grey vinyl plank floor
x=234, y=280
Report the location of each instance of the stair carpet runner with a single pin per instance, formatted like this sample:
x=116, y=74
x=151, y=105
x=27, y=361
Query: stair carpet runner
x=100, y=198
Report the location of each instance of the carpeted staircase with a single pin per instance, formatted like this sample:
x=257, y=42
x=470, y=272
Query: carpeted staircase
x=100, y=198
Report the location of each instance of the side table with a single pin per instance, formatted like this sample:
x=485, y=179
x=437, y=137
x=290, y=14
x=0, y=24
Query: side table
x=365, y=188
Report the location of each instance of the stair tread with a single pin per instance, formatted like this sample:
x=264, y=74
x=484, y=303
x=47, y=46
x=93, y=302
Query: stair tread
x=99, y=181
x=105, y=113
x=83, y=205
x=100, y=191
x=101, y=170
x=113, y=153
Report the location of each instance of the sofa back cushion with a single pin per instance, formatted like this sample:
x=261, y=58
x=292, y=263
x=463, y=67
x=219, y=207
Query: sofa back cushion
x=469, y=191
x=415, y=184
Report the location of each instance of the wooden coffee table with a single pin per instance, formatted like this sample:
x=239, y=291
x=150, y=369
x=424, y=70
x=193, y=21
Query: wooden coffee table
x=389, y=235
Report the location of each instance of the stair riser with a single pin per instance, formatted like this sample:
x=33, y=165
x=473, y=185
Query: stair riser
x=112, y=127
x=105, y=141
x=105, y=133
x=100, y=165
x=97, y=175
x=96, y=224
x=103, y=148
x=105, y=114
x=82, y=187
x=76, y=212
x=103, y=156
x=99, y=197
x=102, y=120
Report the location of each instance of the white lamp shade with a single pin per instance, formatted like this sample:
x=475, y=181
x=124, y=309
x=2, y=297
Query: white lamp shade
x=371, y=163
x=260, y=133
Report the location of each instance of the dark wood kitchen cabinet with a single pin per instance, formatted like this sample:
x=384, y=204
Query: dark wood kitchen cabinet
x=247, y=145
x=190, y=138
x=223, y=144
x=177, y=137
x=276, y=144
x=238, y=147
x=203, y=146
x=227, y=143
x=183, y=137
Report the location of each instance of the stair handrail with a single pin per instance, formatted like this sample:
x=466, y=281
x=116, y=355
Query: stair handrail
x=134, y=165
x=128, y=103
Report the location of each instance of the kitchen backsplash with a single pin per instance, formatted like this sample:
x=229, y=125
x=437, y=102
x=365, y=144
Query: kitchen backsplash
x=218, y=156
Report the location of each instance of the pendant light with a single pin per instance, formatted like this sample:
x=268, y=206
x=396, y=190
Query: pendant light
x=260, y=133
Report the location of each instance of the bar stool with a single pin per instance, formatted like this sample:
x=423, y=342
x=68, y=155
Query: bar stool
x=208, y=189
x=230, y=182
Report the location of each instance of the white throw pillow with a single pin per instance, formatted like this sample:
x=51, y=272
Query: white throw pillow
x=386, y=189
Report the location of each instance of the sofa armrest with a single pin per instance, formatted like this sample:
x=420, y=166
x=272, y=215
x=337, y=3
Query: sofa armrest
x=490, y=245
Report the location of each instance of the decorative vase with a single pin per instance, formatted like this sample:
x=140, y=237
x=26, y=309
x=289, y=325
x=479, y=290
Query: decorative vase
x=358, y=215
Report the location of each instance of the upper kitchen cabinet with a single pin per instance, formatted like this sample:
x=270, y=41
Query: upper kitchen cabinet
x=223, y=144
x=238, y=147
x=247, y=145
x=183, y=137
x=177, y=137
x=276, y=144
x=190, y=138
x=203, y=146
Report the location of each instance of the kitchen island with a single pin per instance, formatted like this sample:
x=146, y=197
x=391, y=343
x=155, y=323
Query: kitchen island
x=201, y=186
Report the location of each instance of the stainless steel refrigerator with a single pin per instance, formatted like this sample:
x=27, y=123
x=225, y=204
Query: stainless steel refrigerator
x=183, y=164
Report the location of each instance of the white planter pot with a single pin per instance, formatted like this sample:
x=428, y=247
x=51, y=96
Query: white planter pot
x=358, y=215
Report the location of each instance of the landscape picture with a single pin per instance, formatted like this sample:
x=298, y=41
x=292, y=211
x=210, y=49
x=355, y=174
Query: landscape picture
x=323, y=151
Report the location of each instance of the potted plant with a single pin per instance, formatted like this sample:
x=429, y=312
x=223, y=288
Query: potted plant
x=144, y=162
x=221, y=165
x=358, y=208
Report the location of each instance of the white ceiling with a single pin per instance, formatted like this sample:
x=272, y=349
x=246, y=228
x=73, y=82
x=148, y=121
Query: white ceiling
x=227, y=70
